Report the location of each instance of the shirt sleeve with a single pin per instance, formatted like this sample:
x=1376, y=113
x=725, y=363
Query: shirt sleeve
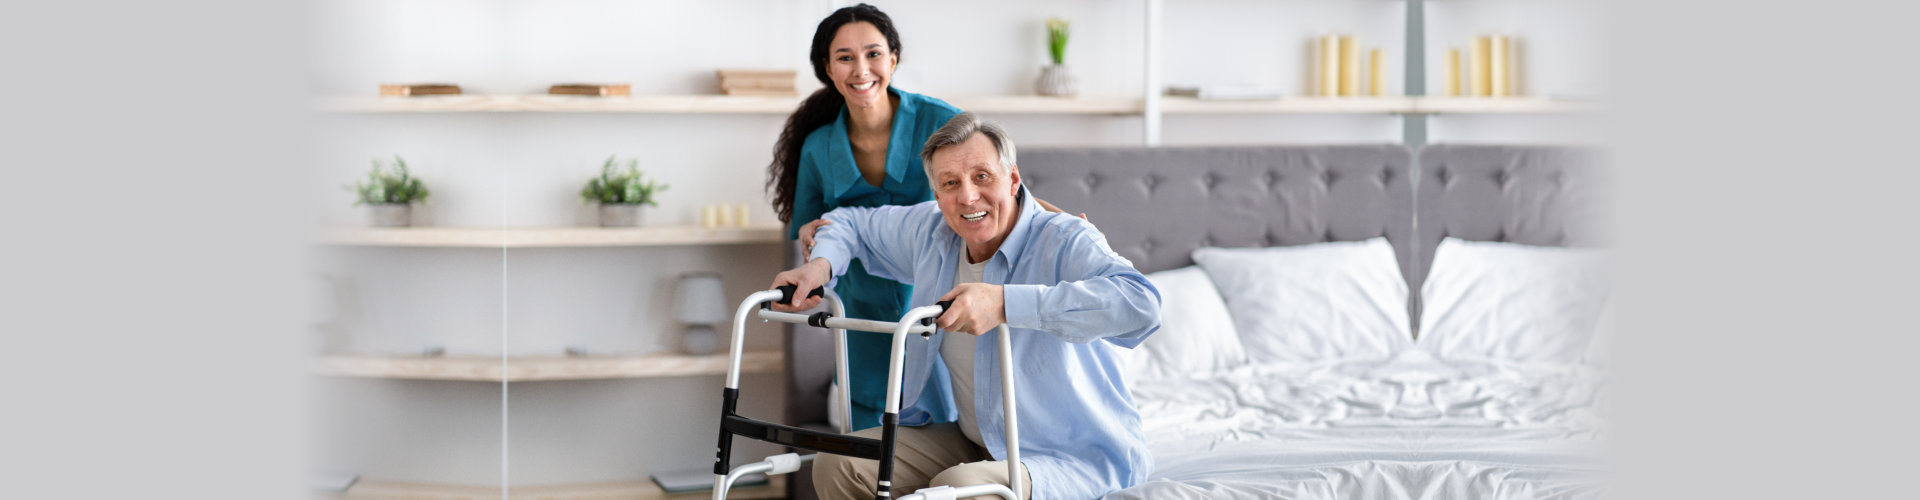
x=808, y=202
x=886, y=239
x=1099, y=294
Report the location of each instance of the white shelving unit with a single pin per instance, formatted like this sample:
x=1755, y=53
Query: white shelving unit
x=1121, y=106
x=550, y=237
x=541, y=368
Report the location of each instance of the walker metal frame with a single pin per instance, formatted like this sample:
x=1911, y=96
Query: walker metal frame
x=917, y=320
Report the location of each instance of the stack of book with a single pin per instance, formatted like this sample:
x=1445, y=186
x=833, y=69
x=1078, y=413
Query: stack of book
x=419, y=89
x=593, y=89
x=778, y=82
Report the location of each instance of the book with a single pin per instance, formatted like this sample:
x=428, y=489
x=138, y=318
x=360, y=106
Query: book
x=593, y=89
x=1225, y=92
x=419, y=89
x=760, y=92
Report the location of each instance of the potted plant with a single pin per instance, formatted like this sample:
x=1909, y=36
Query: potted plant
x=620, y=192
x=1056, y=79
x=389, y=193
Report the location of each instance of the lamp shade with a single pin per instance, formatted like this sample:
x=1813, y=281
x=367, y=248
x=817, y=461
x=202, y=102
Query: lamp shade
x=701, y=299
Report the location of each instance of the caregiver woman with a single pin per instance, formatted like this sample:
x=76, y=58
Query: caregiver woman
x=856, y=143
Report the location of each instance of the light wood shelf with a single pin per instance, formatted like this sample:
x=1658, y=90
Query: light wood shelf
x=540, y=103
x=541, y=368
x=1305, y=105
x=992, y=105
x=1010, y=105
x=776, y=487
x=549, y=237
x=1488, y=105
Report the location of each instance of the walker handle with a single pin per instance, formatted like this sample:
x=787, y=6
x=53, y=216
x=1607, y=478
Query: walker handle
x=944, y=306
x=786, y=294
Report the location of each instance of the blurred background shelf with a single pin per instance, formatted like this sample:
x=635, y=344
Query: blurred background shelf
x=981, y=104
x=541, y=103
x=541, y=368
x=1502, y=105
x=549, y=237
x=633, y=490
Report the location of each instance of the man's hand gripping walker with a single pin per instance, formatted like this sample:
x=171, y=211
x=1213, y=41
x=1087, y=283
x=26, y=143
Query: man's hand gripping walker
x=918, y=320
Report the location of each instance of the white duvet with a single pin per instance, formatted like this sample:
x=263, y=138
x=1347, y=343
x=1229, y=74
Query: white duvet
x=1496, y=400
x=1412, y=427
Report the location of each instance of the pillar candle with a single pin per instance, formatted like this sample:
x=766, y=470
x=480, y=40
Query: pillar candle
x=1376, y=72
x=1478, y=69
x=1349, y=67
x=1500, y=67
x=1329, y=65
x=1452, y=73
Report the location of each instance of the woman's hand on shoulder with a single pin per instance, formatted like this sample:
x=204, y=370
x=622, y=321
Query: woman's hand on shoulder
x=806, y=238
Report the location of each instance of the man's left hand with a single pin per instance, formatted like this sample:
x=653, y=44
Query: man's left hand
x=977, y=308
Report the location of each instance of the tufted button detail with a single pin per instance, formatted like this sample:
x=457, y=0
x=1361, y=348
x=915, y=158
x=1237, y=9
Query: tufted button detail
x=1149, y=182
x=1267, y=238
x=1386, y=175
x=1206, y=241
x=1328, y=177
x=1147, y=246
x=1500, y=178
x=1328, y=236
x=1267, y=178
x=1092, y=181
x=1446, y=176
x=1207, y=181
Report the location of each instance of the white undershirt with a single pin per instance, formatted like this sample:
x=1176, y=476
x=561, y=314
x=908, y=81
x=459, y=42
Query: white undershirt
x=957, y=349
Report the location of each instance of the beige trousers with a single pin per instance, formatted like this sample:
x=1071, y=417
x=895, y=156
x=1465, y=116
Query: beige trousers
x=932, y=455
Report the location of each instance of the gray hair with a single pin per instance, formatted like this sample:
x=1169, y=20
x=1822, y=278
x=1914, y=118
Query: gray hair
x=961, y=128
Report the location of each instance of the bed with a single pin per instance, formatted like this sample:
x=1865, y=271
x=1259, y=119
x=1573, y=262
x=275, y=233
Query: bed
x=1296, y=359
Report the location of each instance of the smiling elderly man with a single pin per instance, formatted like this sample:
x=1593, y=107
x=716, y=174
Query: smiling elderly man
x=1069, y=300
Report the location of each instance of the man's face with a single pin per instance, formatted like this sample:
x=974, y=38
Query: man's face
x=975, y=194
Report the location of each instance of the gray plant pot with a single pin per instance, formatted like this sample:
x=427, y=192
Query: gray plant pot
x=1056, y=80
x=619, y=214
x=390, y=214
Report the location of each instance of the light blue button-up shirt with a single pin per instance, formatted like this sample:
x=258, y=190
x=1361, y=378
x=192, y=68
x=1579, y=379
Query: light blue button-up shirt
x=1064, y=290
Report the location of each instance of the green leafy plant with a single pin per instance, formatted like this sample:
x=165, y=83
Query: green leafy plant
x=385, y=185
x=1057, y=39
x=621, y=185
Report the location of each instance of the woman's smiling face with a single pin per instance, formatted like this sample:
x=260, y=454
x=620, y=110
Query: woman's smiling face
x=860, y=63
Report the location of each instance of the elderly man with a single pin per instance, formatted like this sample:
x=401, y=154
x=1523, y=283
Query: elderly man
x=1069, y=300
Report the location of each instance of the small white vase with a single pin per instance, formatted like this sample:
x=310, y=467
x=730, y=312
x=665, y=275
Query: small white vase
x=390, y=214
x=1056, y=80
x=619, y=214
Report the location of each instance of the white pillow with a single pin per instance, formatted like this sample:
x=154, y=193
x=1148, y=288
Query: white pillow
x=1313, y=303
x=1511, y=302
x=1196, y=335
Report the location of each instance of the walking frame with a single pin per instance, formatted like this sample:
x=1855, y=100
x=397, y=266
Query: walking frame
x=917, y=320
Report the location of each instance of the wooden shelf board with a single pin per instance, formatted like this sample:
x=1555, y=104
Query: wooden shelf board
x=536, y=103
x=1189, y=105
x=776, y=487
x=541, y=368
x=1501, y=105
x=549, y=237
x=1005, y=105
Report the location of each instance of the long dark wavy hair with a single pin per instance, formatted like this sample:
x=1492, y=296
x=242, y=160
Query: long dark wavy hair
x=821, y=108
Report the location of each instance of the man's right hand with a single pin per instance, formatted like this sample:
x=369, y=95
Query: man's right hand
x=813, y=274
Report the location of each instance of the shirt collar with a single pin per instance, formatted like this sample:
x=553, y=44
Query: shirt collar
x=901, y=149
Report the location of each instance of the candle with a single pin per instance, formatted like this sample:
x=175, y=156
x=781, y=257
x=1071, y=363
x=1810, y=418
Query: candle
x=1500, y=67
x=1478, y=70
x=1376, y=72
x=1452, y=73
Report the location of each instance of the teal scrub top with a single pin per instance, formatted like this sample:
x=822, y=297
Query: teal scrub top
x=829, y=179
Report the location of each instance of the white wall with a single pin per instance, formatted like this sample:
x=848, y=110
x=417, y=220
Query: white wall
x=507, y=169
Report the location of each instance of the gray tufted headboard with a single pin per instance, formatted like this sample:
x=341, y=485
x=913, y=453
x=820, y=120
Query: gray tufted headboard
x=1534, y=195
x=1157, y=205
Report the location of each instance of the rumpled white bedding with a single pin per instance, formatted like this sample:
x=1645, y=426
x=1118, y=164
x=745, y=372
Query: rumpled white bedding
x=1409, y=427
